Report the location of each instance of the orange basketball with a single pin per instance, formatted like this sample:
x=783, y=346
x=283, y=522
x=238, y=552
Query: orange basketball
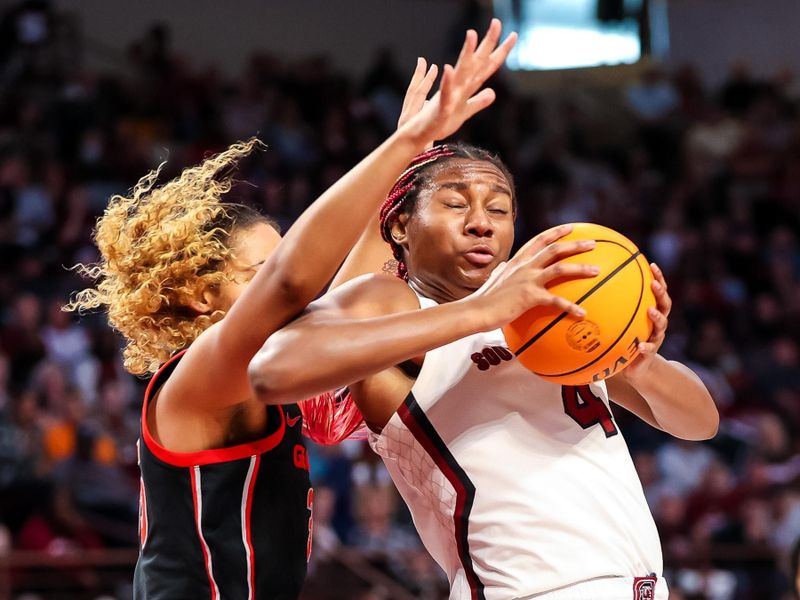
x=575, y=351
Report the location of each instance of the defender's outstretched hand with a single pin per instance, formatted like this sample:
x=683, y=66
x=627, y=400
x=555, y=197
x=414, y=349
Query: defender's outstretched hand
x=417, y=92
x=460, y=95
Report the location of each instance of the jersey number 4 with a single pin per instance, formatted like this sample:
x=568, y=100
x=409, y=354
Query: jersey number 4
x=586, y=409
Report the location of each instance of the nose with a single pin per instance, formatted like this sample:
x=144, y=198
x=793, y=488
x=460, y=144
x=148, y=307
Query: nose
x=478, y=223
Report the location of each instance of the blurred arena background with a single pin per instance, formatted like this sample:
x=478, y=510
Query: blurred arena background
x=691, y=146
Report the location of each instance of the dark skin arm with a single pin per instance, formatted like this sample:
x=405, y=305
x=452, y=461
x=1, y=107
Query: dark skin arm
x=345, y=337
x=666, y=394
x=374, y=323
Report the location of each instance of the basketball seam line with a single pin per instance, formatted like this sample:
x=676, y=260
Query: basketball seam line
x=615, y=342
x=555, y=321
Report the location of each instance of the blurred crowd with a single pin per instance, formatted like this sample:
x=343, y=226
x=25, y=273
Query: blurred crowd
x=705, y=180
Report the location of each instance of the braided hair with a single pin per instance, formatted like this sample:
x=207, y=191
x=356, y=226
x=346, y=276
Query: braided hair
x=403, y=196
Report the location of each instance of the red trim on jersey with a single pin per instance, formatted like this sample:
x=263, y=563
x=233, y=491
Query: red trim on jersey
x=142, y=501
x=142, y=513
x=248, y=509
x=205, y=457
x=310, y=507
x=198, y=516
x=412, y=416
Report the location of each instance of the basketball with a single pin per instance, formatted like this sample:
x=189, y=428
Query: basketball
x=569, y=350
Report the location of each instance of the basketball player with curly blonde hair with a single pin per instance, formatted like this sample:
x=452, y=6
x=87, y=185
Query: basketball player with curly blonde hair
x=196, y=286
x=161, y=249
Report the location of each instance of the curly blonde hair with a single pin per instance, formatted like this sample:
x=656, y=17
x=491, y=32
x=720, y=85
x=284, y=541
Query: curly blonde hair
x=160, y=248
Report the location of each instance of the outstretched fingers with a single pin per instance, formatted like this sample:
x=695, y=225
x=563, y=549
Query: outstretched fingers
x=489, y=41
x=418, y=89
x=427, y=83
x=468, y=47
x=477, y=63
x=500, y=54
x=448, y=94
x=416, y=79
x=479, y=101
x=460, y=96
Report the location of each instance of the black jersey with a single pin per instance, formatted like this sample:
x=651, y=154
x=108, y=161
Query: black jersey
x=232, y=523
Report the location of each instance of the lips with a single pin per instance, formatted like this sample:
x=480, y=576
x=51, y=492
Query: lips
x=480, y=256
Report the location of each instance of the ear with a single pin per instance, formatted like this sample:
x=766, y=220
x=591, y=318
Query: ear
x=398, y=230
x=204, y=303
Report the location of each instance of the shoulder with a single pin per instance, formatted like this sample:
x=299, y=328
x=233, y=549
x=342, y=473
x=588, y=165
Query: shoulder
x=370, y=295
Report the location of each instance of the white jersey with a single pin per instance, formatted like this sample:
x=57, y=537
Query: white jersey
x=510, y=494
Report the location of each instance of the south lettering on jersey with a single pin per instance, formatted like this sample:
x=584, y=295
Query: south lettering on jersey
x=441, y=450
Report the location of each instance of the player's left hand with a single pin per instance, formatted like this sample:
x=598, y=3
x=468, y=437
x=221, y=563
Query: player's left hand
x=417, y=92
x=659, y=316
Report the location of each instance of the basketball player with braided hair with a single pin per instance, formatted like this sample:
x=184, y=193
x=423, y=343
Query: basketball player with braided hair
x=515, y=493
x=196, y=286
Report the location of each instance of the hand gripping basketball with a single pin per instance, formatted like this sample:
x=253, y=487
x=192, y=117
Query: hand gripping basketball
x=660, y=318
x=521, y=283
x=562, y=348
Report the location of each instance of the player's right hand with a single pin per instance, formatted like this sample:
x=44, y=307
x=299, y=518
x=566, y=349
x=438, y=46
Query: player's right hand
x=521, y=283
